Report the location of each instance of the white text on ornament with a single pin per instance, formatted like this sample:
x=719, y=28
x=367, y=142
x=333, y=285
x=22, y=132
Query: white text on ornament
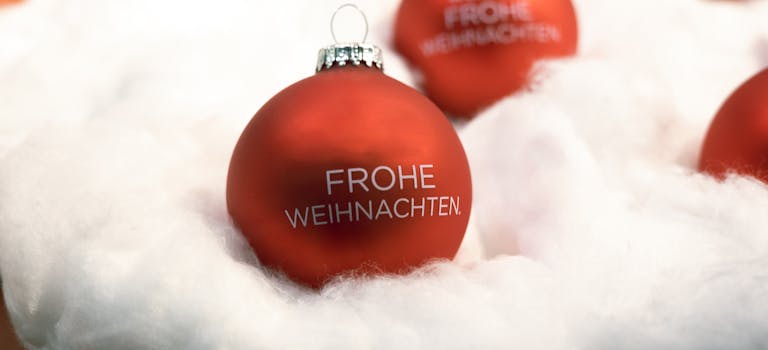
x=485, y=12
x=367, y=182
x=371, y=210
x=381, y=178
x=470, y=24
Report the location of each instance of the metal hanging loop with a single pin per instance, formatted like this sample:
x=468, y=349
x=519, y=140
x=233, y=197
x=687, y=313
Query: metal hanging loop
x=351, y=5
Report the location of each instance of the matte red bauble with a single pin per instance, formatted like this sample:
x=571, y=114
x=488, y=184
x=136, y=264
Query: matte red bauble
x=9, y=2
x=472, y=53
x=737, y=140
x=349, y=171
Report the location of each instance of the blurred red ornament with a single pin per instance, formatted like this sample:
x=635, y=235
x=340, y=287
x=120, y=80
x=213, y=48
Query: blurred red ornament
x=9, y=2
x=737, y=140
x=349, y=171
x=472, y=53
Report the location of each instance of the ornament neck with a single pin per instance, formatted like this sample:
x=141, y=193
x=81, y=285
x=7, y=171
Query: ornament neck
x=355, y=54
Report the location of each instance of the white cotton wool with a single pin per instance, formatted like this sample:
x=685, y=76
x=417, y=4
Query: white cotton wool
x=591, y=228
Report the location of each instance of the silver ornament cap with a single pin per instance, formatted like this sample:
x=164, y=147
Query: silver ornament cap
x=355, y=54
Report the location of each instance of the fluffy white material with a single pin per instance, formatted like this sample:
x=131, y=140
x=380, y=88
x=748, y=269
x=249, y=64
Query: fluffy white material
x=117, y=119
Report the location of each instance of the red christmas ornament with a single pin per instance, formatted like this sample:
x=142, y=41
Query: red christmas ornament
x=349, y=171
x=737, y=140
x=474, y=52
x=9, y=2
